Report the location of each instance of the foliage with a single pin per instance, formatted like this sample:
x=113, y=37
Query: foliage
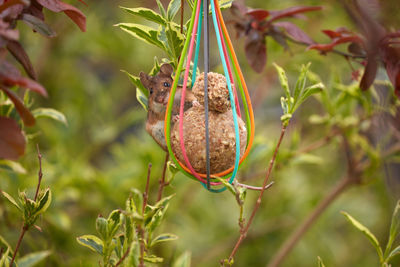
x=126, y=236
x=389, y=253
x=92, y=164
x=30, y=12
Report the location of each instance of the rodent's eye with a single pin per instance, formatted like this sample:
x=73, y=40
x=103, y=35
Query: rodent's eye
x=166, y=84
x=151, y=91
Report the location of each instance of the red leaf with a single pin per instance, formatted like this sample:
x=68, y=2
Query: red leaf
x=391, y=58
x=332, y=34
x=75, y=14
x=258, y=14
x=256, y=51
x=295, y=32
x=7, y=32
x=12, y=141
x=19, y=53
x=25, y=114
x=291, y=11
x=335, y=42
x=369, y=74
x=10, y=76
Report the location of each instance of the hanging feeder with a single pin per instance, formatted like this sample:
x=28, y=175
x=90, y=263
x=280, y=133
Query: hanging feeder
x=224, y=119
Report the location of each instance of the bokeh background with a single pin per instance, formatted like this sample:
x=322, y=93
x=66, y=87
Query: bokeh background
x=92, y=163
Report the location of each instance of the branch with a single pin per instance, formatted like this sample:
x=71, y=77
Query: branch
x=292, y=240
x=123, y=257
x=162, y=181
x=353, y=176
x=40, y=174
x=244, y=231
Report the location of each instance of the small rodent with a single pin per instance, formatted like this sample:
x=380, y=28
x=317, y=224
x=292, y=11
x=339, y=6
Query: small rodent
x=159, y=87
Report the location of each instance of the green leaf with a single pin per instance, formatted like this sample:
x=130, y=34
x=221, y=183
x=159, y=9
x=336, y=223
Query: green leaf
x=301, y=82
x=5, y=259
x=184, y=260
x=371, y=237
x=164, y=201
x=311, y=90
x=229, y=186
x=173, y=8
x=142, y=99
x=114, y=221
x=156, y=68
x=153, y=259
x=38, y=25
x=320, y=262
x=44, y=200
x=137, y=197
x=142, y=32
x=5, y=243
x=146, y=13
x=11, y=199
x=134, y=254
x=394, y=227
x=163, y=238
x=13, y=166
x=102, y=227
x=173, y=40
x=393, y=253
x=284, y=81
x=162, y=9
x=156, y=219
x=50, y=113
x=142, y=94
x=92, y=242
x=33, y=258
x=224, y=4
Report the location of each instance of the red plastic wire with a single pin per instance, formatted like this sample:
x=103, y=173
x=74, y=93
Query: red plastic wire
x=182, y=104
x=228, y=64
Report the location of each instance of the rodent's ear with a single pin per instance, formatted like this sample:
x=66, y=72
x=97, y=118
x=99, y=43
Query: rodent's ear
x=144, y=79
x=166, y=69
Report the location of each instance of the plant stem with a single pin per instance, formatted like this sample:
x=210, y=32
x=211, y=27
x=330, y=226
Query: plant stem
x=40, y=174
x=243, y=232
x=123, y=257
x=162, y=181
x=21, y=236
x=182, y=11
x=140, y=227
x=343, y=184
x=146, y=192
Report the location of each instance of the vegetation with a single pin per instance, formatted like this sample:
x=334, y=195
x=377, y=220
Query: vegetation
x=103, y=193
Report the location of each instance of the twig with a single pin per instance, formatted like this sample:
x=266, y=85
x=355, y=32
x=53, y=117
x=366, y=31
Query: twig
x=21, y=236
x=255, y=188
x=258, y=203
x=302, y=229
x=353, y=176
x=146, y=192
x=25, y=227
x=340, y=53
x=317, y=144
x=40, y=174
x=162, y=181
x=140, y=226
x=182, y=11
x=123, y=257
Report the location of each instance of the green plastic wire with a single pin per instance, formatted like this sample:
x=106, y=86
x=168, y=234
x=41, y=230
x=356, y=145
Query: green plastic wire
x=174, y=87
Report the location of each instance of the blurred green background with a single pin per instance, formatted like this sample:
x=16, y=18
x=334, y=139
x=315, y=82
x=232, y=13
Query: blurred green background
x=104, y=151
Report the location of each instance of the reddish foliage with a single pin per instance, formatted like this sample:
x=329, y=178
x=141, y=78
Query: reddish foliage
x=12, y=141
x=75, y=14
x=256, y=24
x=338, y=37
x=25, y=114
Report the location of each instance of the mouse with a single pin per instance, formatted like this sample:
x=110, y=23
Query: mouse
x=159, y=87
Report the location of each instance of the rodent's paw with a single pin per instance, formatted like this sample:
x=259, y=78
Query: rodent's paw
x=175, y=118
x=195, y=103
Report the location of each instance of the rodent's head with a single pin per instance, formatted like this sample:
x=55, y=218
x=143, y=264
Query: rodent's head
x=159, y=87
